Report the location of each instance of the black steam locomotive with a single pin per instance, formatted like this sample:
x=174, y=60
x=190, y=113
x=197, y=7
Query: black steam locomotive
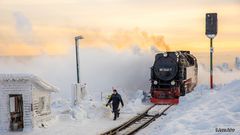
x=173, y=75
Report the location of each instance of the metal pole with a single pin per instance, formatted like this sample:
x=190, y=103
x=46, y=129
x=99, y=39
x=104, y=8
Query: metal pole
x=77, y=61
x=211, y=64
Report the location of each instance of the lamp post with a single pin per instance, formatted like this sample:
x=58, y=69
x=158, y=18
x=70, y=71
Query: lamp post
x=77, y=38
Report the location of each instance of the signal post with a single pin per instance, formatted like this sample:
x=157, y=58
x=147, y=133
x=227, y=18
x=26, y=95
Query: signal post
x=211, y=32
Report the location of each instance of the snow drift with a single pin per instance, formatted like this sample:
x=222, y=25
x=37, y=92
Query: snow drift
x=201, y=112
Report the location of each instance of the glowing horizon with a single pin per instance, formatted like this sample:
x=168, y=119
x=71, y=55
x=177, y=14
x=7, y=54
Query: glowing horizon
x=48, y=27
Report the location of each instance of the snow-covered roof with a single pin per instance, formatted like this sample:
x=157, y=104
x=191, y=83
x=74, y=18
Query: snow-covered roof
x=28, y=77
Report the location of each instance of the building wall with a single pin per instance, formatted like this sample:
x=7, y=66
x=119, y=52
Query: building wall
x=15, y=87
x=41, y=105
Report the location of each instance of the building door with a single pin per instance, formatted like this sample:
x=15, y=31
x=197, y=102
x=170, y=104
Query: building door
x=16, y=112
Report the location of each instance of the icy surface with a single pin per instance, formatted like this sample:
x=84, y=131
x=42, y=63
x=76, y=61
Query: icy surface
x=201, y=112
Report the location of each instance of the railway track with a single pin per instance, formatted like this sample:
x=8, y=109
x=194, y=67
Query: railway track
x=135, y=124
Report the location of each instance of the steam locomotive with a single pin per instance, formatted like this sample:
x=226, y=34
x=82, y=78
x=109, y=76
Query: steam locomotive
x=173, y=74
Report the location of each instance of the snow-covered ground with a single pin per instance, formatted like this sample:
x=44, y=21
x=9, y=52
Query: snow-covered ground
x=202, y=112
x=90, y=118
x=199, y=112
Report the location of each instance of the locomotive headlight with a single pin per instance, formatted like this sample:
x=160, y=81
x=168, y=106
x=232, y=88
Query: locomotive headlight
x=165, y=54
x=173, y=82
x=155, y=82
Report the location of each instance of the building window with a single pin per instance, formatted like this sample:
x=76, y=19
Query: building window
x=41, y=104
x=44, y=105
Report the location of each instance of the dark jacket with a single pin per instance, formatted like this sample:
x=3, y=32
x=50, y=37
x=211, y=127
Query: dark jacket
x=115, y=99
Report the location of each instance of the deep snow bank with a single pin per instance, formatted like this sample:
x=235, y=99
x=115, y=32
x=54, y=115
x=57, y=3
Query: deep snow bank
x=201, y=112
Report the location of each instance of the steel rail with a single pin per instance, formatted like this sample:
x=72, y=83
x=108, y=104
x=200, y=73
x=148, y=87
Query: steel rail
x=134, y=120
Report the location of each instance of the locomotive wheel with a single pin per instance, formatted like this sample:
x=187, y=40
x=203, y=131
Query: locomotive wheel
x=182, y=90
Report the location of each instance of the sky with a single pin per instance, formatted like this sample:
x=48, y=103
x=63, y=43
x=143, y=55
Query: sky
x=121, y=38
x=29, y=27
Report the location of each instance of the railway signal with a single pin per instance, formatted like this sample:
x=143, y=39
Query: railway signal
x=211, y=32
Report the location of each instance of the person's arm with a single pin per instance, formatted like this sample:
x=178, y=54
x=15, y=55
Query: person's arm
x=110, y=100
x=121, y=100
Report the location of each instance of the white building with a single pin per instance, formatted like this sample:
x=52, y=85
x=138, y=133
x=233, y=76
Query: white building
x=237, y=62
x=24, y=101
x=224, y=67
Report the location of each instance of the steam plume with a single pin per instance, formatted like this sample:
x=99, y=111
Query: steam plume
x=27, y=40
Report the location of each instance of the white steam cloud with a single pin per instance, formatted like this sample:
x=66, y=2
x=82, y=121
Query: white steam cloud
x=100, y=69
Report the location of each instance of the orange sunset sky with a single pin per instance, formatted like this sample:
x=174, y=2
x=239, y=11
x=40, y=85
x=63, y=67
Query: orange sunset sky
x=29, y=27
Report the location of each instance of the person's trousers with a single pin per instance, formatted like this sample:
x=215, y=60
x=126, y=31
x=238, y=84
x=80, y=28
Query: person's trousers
x=116, y=113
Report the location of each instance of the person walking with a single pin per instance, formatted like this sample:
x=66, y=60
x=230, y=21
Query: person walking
x=115, y=99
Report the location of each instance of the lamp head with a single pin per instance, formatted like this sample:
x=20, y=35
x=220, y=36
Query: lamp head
x=78, y=37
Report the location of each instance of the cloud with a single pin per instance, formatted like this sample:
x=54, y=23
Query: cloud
x=124, y=40
x=58, y=40
x=23, y=28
